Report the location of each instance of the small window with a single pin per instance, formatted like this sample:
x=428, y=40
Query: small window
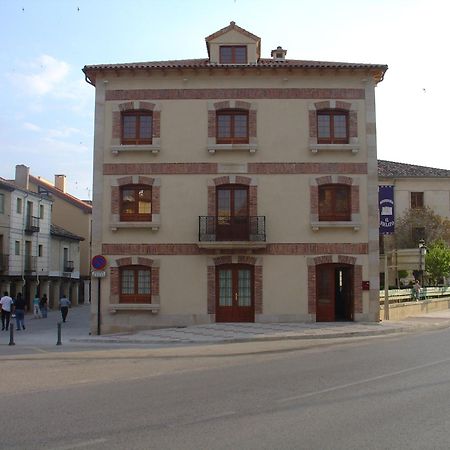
x=136, y=203
x=41, y=211
x=2, y=203
x=417, y=200
x=17, y=248
x=40, y=250
x=135, y=284
x=19, y=206
x=232, y=126
x=332, y=126
x=233, y=54
x=334, y=202
x=137, y=127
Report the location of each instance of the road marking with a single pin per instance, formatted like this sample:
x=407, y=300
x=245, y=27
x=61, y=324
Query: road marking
x=81, y=444
x=366, y=380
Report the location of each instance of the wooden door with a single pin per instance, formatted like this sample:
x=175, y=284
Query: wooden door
x=234, y=293
x=325, y=301
x=232, y=213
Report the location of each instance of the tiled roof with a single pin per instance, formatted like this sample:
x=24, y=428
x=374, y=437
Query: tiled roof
x=56, y=230
x=5, y=184
x=263, y=63
x=390, y=169
x=64, y=195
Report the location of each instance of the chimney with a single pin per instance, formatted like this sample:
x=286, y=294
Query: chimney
x=278, y=54
x=22, y=176
x=60, y=182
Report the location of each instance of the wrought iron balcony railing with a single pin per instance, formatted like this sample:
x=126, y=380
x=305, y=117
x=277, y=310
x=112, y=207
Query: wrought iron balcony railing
x=68, y=266
x=226, y=228
x=32, y=224
x=4, y=262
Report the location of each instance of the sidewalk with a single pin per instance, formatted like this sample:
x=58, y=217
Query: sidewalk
x=76, y=330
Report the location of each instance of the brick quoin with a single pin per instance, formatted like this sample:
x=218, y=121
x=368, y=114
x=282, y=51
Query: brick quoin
x=236, y=93
x=211, y=124
x=114, y=272
x=211, y=277
x=156, y=124
x=124, y=262
x=258, y=290
x=116, y=125
x=115, y=200
x=311, y=289
x=358, y=289
x=145, y=262
x=253, y=168
x=155, y=280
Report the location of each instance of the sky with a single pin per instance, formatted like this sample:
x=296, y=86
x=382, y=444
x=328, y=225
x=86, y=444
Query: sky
x=46, y=119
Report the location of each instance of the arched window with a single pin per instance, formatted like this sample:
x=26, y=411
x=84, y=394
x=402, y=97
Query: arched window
x=135, y=284
x=136, y=203
x=137, y=127
x=332, y=126
x=232, y=126
x=334, y=202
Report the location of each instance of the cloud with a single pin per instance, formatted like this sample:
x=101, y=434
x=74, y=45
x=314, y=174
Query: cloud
x=43, y=75
x=31, y=127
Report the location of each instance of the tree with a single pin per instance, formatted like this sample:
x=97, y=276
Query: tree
x=420, y=223
x=437, y=261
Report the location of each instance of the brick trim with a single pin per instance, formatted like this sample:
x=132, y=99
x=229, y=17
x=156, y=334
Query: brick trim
x=271, y=249
x=235, y=93
x=262, y=168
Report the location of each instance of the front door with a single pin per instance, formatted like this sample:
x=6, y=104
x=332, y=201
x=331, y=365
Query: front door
x=234, y=293
x=334, y=292
x=232, y=213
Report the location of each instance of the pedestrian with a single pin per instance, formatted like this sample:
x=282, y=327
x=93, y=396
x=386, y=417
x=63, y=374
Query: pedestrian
x=36, y=310
x=64, y=304
x=19, y=311
x=6, y=305
x=43, y=306
x=416, y=291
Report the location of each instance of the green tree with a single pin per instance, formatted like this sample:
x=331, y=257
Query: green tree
x=437, y=261
x=420, y=223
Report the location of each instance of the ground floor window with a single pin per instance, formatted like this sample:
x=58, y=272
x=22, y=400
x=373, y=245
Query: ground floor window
x=135, y=284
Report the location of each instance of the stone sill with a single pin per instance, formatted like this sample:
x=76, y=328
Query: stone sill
x=251, y=148
x=154, y=226
x=150, y=148
x=232, y=245
x=315, y=148
x=317, y=225
x=151, y=307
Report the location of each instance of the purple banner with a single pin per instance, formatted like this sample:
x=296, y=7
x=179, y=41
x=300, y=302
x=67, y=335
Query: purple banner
x=386, y=205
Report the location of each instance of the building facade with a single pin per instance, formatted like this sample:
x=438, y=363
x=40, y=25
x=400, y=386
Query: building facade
x=235, y=188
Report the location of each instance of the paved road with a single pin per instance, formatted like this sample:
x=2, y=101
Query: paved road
x=384, y=393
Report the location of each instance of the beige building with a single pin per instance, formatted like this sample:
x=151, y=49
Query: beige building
x=235, y=188
x=69, y=213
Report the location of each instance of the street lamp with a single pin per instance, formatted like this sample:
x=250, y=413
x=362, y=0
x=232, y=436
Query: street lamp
x=422, y=254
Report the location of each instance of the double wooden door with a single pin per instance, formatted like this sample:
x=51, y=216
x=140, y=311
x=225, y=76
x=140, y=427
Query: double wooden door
x=334, y=292
x=235, y=293
x=232, y=213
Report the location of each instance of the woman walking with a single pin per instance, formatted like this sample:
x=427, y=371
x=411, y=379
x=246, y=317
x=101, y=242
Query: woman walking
x=19, y=310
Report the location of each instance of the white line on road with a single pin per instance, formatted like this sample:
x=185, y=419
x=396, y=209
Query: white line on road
x=81, y=444
x=366, y=380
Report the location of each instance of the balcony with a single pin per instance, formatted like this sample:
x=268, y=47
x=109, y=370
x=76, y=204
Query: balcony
x=32, y=224
x=30, y=263
x=232, y=232
x=4, y=263
x=68, y=266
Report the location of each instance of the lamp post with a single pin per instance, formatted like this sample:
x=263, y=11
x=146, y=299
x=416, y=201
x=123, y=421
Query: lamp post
x=422, y=254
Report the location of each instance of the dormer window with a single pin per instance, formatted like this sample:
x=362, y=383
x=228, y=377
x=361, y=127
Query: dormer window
x=233, y=54
x=278, y=53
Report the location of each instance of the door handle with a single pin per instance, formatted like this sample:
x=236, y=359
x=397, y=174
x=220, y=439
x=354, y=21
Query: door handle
x=235, y=296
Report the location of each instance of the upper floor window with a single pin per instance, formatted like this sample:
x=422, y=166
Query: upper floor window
x=17, y=248
x=417, y=200
x=19, y=206
x=232, y=126
x=332, y=126
x=233, y=54
x=135, y=284
x=136, y=203
x=334, y=202
x=137, y=127
x=2, y=203
x=41, y=211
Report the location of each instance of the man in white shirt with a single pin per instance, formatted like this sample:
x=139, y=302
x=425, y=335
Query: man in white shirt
x=6, y=305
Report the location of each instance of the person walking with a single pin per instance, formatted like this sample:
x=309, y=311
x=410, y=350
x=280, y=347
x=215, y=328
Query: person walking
x=36, y=310
x=64, y=304
x=43, y=306
x=6, y=305
x=416, y=291
x=19, y=311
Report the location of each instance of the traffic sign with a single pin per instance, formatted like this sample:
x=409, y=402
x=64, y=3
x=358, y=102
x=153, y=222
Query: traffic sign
x=98, y=262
